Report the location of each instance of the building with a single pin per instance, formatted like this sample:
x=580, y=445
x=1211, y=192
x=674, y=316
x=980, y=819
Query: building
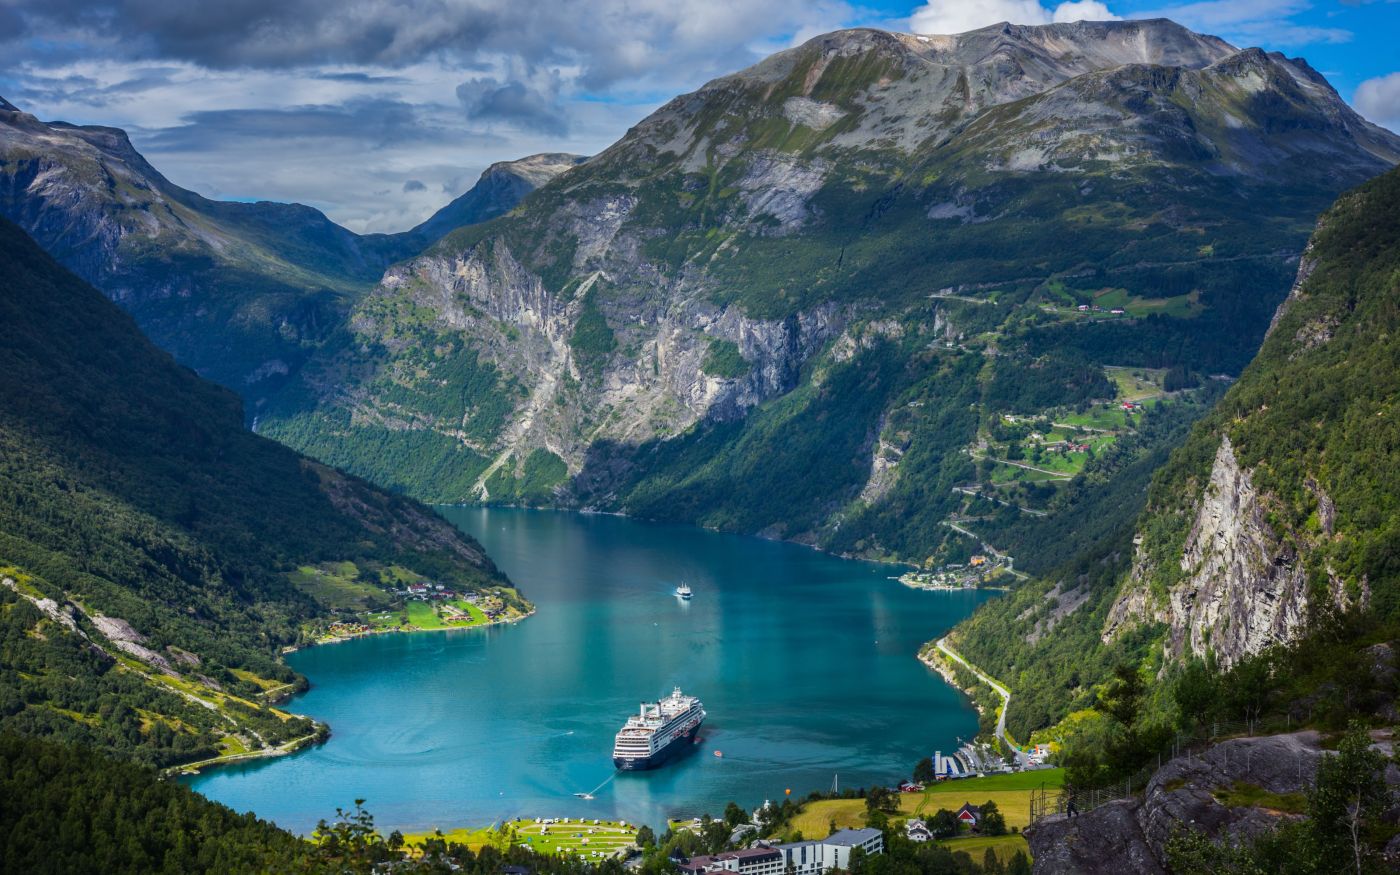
x=917, y=831
x=802, y=858
x=750, y=861
x=832, y=852
x=969, y=814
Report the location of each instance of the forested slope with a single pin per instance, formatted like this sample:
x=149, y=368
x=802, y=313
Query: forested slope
x=146, y=537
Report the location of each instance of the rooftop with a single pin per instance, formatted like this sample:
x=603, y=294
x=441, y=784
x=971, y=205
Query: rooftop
x=851, y=837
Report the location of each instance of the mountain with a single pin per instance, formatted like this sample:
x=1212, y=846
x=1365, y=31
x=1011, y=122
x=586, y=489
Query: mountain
x=873, y=284
x=1274, y=522
x=241, y=292
x=155, y=556
x=502, y=186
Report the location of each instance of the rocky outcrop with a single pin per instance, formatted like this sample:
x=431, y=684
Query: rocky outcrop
x=1105, y=841
x=1244, y=587
x=1236, y=791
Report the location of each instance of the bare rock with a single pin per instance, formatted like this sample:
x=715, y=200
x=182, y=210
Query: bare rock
x=1105, y=841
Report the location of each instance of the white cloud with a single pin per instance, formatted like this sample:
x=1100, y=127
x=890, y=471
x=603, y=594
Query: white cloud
x=1266, y=23
x=1084, y=10
x=1379, y=100
x=338, y=103
x=959, y=16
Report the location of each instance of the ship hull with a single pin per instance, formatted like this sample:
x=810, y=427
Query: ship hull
x=676, y=748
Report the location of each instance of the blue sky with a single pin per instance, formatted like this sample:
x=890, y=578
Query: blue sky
x=379, y=111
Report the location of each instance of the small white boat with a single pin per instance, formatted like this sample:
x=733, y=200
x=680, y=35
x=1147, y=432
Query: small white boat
x=683, y=592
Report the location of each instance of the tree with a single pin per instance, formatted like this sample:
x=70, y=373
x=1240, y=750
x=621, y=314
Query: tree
x=943, y=824
x=882, y=799
x=351, y=843
x=991, y=865
x=646, y=838
x=1249, y=686
x=1347, y=801
x=1019, y=865
x=993, y=822
x=734, y=815
x=1196, y=692
x=923, y=771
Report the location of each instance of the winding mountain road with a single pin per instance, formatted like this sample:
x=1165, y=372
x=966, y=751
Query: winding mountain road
x=1021, y=758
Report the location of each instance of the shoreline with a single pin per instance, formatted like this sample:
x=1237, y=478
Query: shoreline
x=399, y=630
x=288, y=748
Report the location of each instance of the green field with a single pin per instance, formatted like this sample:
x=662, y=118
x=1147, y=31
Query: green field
x=425, y=615
x=589, y=839
x=1131, y=386
x=337, y=585
x=1177, y=306
x=1011, y=793
x=1005, y=847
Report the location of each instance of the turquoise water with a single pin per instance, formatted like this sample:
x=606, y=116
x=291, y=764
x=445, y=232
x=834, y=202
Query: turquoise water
x=806, y=664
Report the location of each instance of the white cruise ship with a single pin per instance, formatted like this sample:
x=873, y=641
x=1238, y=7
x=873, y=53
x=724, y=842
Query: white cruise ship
x=658, y=732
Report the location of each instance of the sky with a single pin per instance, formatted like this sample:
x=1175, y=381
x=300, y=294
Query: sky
x=380, y=111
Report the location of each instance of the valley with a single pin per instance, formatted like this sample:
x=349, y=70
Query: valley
x=1082, y=331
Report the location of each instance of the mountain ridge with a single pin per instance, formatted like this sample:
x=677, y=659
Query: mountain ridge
x=241, y=291
x=824, y=237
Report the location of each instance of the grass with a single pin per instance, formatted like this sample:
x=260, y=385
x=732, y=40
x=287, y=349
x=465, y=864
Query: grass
x=1005, y=847
x=424, y=615
x=607, y=838
x=1243, y=795
x=1131, y=387
x=264, y=683
x=476, y=839
x=336, y=585
x=1011, y=793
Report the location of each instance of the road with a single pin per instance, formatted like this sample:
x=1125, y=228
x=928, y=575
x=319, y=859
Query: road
x=987, y=548
x=1021, y=758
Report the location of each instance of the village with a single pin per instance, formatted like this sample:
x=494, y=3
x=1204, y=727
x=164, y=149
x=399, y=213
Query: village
x=981, y=571
x=425, y=607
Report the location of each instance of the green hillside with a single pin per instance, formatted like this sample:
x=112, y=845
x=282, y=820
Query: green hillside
x=147, y=541
x=1313, y=428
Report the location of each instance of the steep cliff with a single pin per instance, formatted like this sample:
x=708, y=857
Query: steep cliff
x=1280, y=505
x=871, y=243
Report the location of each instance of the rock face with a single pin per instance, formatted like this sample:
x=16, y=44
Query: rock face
x=241, y=292
x=1243, y=587
x=1186, y=793
x=753, y=263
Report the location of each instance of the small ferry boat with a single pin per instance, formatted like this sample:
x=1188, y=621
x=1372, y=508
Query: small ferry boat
x=683, y=592
x=658, y=732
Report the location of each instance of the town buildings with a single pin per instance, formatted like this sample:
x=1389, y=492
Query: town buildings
x=800, y=858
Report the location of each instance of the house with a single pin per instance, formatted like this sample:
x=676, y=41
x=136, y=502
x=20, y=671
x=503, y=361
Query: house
x=911, y=787
x=977, y=560
x=1116, y=311
x=1083, y=308
x=969, y=814
x=917, y=831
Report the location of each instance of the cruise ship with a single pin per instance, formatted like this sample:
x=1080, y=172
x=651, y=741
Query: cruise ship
x=660, y=731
